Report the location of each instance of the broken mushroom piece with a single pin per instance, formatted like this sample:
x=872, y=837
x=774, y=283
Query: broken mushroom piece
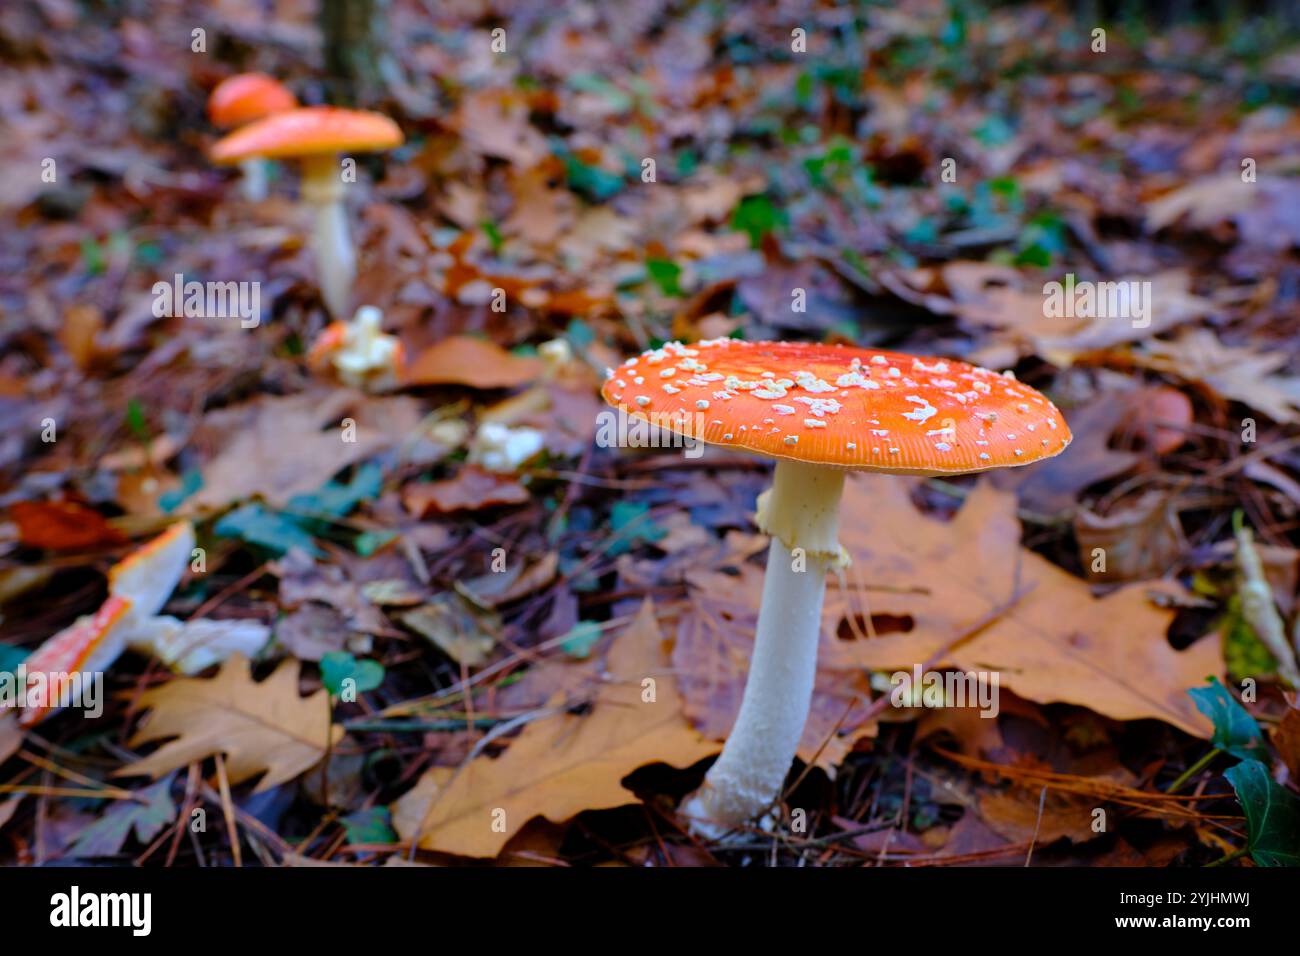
x=360, y=352
x=138, y=587
x=317, y=135
x=820, y=411
x=241, y=99
x=89, y=644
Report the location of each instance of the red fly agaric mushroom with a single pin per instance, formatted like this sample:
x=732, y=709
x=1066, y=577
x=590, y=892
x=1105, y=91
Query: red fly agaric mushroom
x=317, y=135
x=240, y=99
x=820, y=411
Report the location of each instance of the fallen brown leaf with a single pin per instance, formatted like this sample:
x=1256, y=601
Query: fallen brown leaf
x=264, y=728
x=561, y=764
x=472, y=489
x=1243, y=374
x=1057, y=642
x=463, y=632
x=1286, y=737
x=1141, y=540
x=277, y=447
x=62, y=526
x=478, y=363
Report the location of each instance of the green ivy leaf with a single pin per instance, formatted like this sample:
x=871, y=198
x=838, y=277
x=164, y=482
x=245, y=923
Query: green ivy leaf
x=757, y=216
x=665, y=274
x=630, y=524
x=369, y=826
x=1272, y=815
x=579, y=641
x=335, y=499
x=1235, y=731
x=594, y=182
x=268, y=529
x=338, y=666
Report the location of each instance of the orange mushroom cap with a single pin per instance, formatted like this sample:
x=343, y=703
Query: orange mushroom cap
x=245, y=97
x=308, y=131
x=840, y=406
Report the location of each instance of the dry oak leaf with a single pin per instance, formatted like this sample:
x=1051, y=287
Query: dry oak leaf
x=1264, y=210
x=264, y=727
x=478, y=363
x=1242, y=373
x=494, y=122
x=561, y=764
x=280, y=446
x=1056, y=643
x=471, y=489
x=999, y=297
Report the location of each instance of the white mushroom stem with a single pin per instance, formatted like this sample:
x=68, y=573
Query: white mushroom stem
x=253, y=183
x=336, y=260
x=801, y=512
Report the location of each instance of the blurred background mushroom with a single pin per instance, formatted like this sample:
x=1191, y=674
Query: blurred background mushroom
x=241, y=99
x=317, y=135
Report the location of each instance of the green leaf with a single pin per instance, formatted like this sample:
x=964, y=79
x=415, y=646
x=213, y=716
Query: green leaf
x=135, y=420
x=338, y=666
x=368, y=542
x=11, y=657
x=630, y=524
x=92, y=256
x=994, y=131
x=334, y=499
x=493, y=234
x=579, y=641
x=369, y=826
x=1272, y=815
x=594, y=182
x=1244, y=653
x=106, y=835
x=665, y=275
x=687, y=162
x=191, y=482
x=268, y=529
x=580, y=336
x=1235, y=731
x=757, y=216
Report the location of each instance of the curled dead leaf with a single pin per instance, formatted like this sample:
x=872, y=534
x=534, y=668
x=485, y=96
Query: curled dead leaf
x=478, y=363
x=472, y=489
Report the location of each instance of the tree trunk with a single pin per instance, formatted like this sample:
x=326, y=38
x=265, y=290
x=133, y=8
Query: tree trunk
x=355, y=40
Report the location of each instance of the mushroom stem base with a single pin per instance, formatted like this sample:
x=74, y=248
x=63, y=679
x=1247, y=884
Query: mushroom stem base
x=748, y=776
